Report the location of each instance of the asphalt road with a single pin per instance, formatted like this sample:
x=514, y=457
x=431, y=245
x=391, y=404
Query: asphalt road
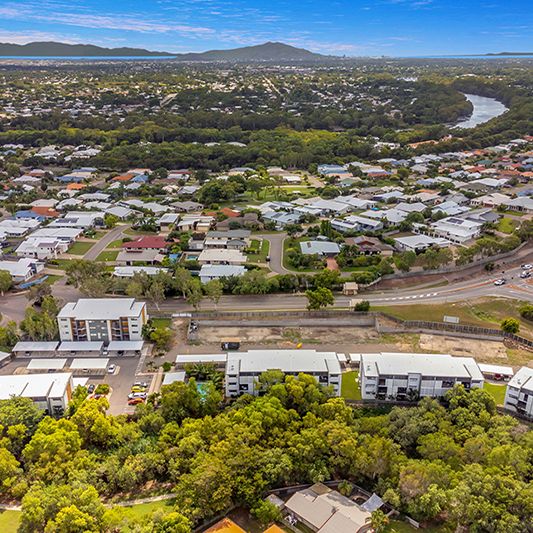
x=276, y=251
x=104, y=242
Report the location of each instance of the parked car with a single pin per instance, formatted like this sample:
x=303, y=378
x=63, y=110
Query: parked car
x=137, y=395
x=111, y=369
x=499, y=282
x=138, y=388
x=90, y=388
x=525, y=274
x=135, y=401
x=526, y=266
x=140, y=384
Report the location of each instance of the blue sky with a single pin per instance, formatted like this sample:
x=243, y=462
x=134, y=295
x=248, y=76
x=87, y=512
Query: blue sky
x=341, y=27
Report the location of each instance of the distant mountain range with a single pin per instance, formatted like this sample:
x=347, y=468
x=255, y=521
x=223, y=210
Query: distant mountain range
x=264, y=52
x=510, y=54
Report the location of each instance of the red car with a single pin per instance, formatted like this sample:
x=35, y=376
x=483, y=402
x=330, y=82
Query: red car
x=135, y=401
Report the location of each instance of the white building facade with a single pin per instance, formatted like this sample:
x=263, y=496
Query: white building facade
x=405, y=376
x=102, y=319
x=244, y=368
x=519, y=394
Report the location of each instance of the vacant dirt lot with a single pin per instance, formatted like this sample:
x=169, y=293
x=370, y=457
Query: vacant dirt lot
x=291, y=335
x=480, y=350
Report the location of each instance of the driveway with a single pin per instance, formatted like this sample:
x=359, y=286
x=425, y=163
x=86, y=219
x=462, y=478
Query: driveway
x=105, y=241
x=276, y=251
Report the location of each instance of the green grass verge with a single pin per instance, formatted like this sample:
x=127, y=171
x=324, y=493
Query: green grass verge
x=115, y=244
x=162, y=322
x=483, y=312
x=98, y=235
x=107, y=255
x=80, y=248
x=350, y=386
x=9, y=521
x=60, y=263
x=399, y=526
x=143, y=509
x=52, y=278
x=496, y=391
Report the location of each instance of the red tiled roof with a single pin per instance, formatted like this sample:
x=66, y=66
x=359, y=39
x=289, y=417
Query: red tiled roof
x=146, y=242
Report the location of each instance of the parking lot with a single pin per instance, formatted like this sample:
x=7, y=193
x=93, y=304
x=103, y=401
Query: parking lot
x=120, y=381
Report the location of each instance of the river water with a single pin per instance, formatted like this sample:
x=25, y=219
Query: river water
x=485, y=109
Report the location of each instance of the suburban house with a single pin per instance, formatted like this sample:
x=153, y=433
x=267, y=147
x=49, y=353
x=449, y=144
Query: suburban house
x=419, y=243
x=370, y=246
x=23, y=269
x=41, y=247
x=244, y=368
x=457, y=230
x=209, y=272
x=221, y=256
x=519, y=395
x=102, y=319
x=147, y=243
x=324, y=510
x=323, y=248
x=404, y=376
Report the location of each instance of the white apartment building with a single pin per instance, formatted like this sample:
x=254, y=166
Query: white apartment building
x=407, y=375
x=244, y=368
x=102, y=319
x=50, y=392
x=519, y=395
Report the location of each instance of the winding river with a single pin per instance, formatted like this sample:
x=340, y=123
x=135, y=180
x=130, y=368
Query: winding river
x=485, y=109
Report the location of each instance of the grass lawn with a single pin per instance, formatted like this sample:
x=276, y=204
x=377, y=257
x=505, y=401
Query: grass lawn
x=162, y=322
x=143, y=509
x=507, y=225
x=350, y=386
x=98, y=235
x=260, y=251
x=403, y=527
x=60, y=263
x=80, y=248
x=483, y=312
x=107, y=255
x=496, y=391
x=51, y=279
x=9, y=521
x=115, y=244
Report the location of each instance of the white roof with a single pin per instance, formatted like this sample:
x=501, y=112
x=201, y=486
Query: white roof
x=523, y=379
x=129, y=271
x=22, y=346
x=201, y=358
x=18, y=268
x=80, y=346
x=172, y=377
x=284, y=360
x=221, y=271
x=34, y=385
x=401, y=364
x=125, y=346
x=46, y=364
x=101, y=309
x=222, y=254
x=495, y=369
x=89, y=362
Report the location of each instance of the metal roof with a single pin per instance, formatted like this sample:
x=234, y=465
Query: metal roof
x=46, y=364
x=35, y=346
x=117, y=346
x=89, y=362
x=80, y=346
